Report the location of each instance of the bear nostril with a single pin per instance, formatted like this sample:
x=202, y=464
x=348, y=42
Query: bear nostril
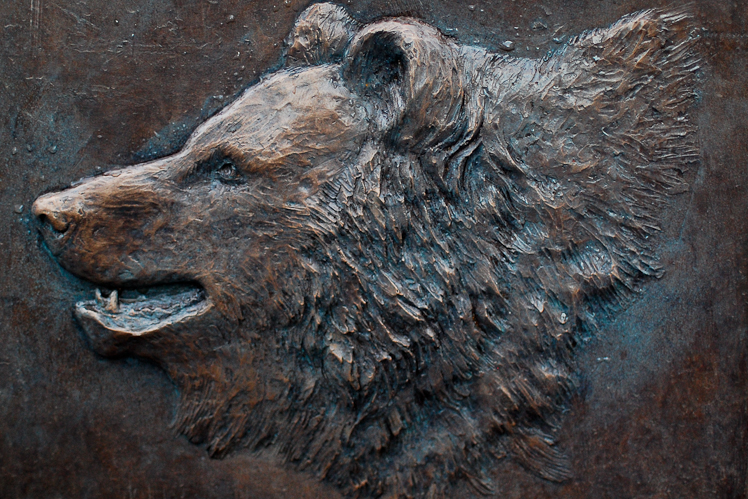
x=58, y=224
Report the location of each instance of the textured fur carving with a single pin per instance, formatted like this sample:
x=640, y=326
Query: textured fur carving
x=390, y=255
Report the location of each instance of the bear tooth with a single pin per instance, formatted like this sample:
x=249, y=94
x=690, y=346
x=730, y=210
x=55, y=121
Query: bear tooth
x=99, y=298
x=113, y=302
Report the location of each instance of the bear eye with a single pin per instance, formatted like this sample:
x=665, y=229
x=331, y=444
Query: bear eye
x=218, y=167
x=226, y=171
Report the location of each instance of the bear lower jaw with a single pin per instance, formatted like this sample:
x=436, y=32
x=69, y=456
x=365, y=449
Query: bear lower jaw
x=111, y=322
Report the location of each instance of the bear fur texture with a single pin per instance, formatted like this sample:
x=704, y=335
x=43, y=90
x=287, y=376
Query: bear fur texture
x=377, y=263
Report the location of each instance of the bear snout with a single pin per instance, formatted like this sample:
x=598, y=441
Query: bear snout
x=48, y=210
x=56, y=215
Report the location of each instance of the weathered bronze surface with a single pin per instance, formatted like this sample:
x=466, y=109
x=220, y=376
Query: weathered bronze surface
x=401, y=265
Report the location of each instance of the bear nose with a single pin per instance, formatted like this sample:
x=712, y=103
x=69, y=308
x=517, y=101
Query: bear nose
x=50, y=212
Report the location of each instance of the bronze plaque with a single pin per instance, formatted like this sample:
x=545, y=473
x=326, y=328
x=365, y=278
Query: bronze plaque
x=381, y=249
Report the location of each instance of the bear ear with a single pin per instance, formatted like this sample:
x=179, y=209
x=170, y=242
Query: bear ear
x=408, y=72
x=321, y=34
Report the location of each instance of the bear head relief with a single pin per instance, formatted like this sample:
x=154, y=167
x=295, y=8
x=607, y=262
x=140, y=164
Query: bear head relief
x=377, y=262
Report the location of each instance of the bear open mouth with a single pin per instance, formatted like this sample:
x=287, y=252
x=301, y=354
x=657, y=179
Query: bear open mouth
x=141, y=312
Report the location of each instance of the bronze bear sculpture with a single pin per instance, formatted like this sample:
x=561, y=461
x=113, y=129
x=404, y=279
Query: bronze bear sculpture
x=377, y=263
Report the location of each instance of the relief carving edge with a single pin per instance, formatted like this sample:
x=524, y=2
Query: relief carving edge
x=377, y=263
